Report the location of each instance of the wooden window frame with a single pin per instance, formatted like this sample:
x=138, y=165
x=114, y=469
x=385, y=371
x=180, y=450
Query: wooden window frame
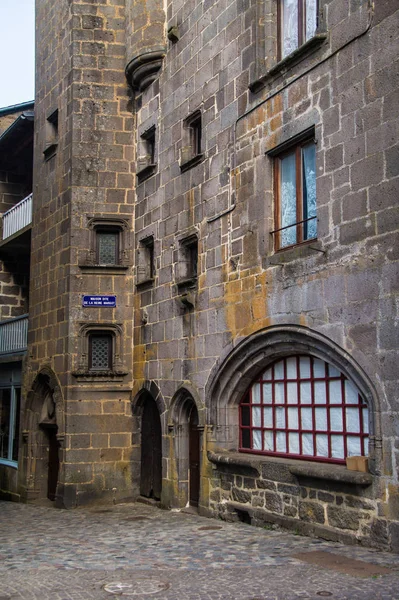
x=300, y=222
x=247, y=405
x=301, y=26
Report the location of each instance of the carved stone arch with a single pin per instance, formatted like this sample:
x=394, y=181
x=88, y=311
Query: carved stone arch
x=43, y=435
x=138, y=395
x=231, y=379
x=186, y=426
x=185, y=393
x=149, y=425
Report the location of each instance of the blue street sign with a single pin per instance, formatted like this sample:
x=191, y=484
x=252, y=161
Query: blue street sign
x=109, y=301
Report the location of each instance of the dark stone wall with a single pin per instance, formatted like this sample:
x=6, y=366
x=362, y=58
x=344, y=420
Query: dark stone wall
x=341, y=287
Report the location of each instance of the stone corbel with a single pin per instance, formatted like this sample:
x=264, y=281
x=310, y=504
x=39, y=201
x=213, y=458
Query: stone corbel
x=142, y=70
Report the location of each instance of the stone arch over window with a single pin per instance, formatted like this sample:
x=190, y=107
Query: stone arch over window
x=147, y=401
x=246, y=362
x=43, y=436
x=186, y=425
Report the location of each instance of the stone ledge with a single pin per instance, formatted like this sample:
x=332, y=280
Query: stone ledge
x=234, y=458
x=289, y=61
x=331, y=473
x=295, y=468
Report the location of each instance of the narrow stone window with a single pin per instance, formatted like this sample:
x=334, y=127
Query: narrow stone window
x=146, y=163
x=188, y=261
x=191, y=152
x=51, y=132
x=108, y=242
x=146, y=261
x=100, y=352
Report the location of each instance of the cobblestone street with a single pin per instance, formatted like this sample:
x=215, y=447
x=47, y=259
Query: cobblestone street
x=135, y=550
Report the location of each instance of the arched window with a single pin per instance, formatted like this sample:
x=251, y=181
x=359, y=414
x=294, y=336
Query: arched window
x=303, y=407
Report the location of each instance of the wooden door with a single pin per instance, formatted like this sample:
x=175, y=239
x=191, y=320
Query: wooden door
x=194, y=458
x=53, y=463
x=151, y=451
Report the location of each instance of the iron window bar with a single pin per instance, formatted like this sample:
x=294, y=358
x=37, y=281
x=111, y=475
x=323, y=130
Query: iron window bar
x=294, y=225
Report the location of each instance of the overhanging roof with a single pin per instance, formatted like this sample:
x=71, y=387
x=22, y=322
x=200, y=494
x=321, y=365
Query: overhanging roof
x=8, y=110
x=16, y=142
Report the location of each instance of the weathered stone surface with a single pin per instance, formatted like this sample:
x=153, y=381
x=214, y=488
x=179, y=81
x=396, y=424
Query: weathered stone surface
x=241, y=495
x=343, y=519
x=311, y=512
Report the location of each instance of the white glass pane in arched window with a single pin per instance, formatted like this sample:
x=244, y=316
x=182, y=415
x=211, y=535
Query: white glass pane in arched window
x=292, y=393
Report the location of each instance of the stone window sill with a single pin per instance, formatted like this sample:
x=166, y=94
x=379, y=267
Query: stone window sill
x=192, y=162
x=185, y=283
x=145, y=173
x=108, y=375
x=50, y=151
x=108, y=269
x=286, y=255
x=145, y=282
x=292, y=59
x=300, y=469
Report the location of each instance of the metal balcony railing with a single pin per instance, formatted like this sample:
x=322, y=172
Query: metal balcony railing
x=14, y=335
x=17, y=217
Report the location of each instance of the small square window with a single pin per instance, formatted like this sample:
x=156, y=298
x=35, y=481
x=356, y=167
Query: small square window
x=107, y=247
x=295, y=191
x=51, y=132
x=100, y=352
x=191, y=152
x=188, y=261
x=297, y=24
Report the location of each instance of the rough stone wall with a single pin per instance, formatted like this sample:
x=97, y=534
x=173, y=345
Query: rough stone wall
x=344, y=288
x=80, y=72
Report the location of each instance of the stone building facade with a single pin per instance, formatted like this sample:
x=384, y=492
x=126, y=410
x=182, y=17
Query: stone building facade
x=212, y=315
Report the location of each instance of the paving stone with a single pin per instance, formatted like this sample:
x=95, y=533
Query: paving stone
x=49, y=554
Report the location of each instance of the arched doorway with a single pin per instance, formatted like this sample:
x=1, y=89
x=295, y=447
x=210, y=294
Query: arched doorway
x=151, y=451
x=186, y=425
x=42, y=441
x=193, y=457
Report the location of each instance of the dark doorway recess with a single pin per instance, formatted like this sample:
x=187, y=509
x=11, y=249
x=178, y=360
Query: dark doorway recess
x=194, y=458
x=53, y=462
x=151, y=451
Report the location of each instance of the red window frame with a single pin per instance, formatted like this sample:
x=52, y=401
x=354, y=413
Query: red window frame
x=247, y=405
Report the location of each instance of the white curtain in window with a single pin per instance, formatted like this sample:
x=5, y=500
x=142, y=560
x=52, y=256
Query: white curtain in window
x=288, y=200
x=311, y=18
x=290, y=27
x=309, y=191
